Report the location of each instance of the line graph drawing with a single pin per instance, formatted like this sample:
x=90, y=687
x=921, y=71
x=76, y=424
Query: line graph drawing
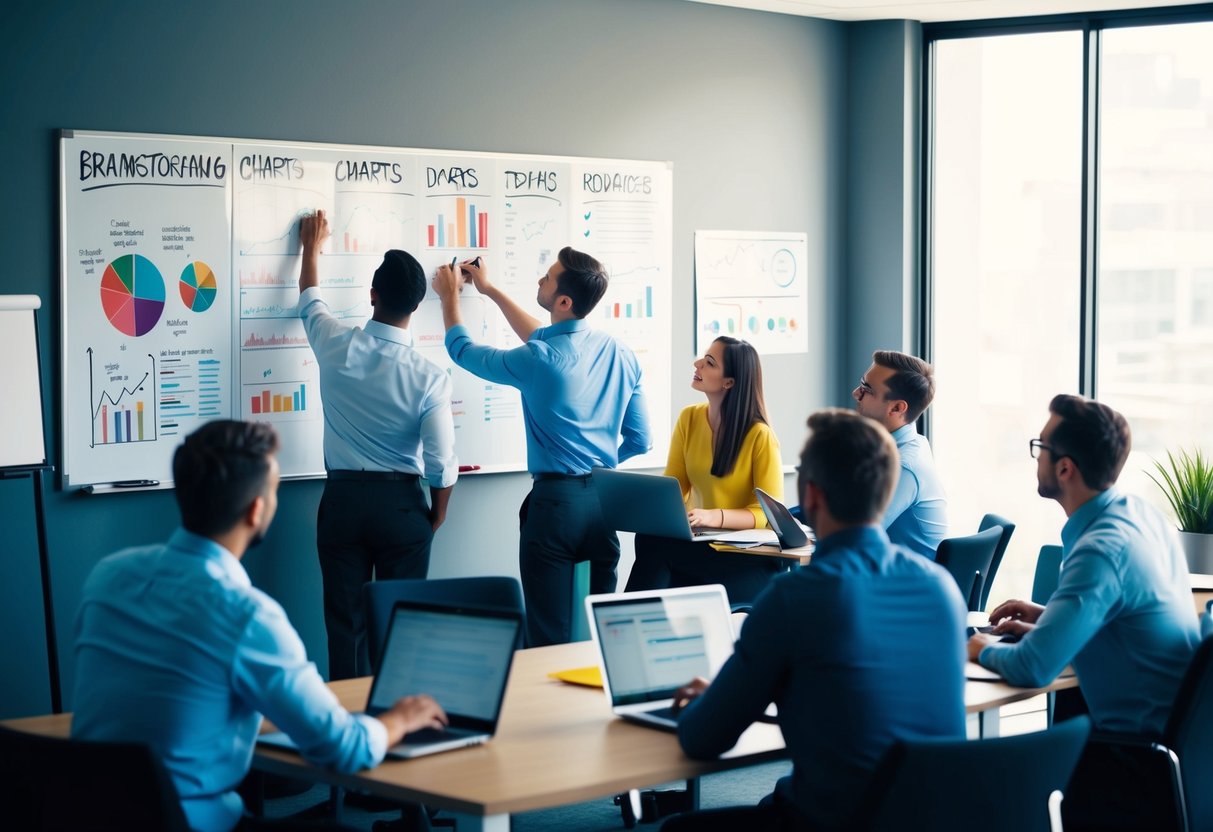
x=120, y=418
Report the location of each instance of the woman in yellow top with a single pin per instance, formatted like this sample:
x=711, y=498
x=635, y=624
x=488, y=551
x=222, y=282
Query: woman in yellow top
x=720, y=452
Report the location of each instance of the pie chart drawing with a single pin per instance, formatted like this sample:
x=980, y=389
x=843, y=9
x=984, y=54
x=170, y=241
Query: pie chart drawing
x=132, y=294
x=198, y=287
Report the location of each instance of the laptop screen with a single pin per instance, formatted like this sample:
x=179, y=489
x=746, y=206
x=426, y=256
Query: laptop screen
x=460, y=657
x=653, y=645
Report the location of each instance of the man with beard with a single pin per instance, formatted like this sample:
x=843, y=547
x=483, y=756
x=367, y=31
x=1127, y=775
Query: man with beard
x=176, y=649
x=1122, y=612
x=861, y=648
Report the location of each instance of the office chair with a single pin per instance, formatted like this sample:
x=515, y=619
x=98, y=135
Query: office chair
x=379, y=597
x=1006, y=784
x=50, y=783
x=1185, y=749
x=1048, y=571
x=1206, y=621
x=1008, y=529
x=962, y=556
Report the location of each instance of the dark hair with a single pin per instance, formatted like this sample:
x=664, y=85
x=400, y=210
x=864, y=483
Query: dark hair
x=913, y=380
x=1092, y=434
x=584, y=280
x=399, y=282
x=853, y=460
x=742, y=404
x=219, y=470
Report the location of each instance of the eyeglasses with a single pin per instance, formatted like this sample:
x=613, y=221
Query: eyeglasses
x=865, y=389
x=1035, y=446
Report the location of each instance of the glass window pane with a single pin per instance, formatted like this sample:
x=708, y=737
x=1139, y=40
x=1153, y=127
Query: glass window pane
x=1006, y=232
x=1155, y=289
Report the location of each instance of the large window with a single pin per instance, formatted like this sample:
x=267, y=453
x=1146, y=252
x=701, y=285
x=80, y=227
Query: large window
x=1010, y=272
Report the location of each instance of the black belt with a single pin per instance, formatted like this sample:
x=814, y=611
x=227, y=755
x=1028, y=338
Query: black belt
x=552, y=475
x=375, y=476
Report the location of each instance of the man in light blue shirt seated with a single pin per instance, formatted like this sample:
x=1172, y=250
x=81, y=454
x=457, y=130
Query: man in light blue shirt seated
x=583, y=408
x=1122, y=613
x=859, y=649
x=176, y=649
x=895, y=391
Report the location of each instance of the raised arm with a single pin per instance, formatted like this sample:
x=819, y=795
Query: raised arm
x=313, y=231
x=522, y=322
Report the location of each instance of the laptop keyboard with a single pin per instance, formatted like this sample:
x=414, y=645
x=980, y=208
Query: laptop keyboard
x=429, y=735
x=664, y=713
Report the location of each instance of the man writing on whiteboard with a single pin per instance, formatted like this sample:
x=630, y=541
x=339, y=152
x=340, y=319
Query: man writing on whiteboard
x=387, y=423
x=583, y=408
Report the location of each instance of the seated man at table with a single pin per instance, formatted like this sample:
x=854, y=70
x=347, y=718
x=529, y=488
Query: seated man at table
x=1122, y=612
x=861, y=648
x=175, y=648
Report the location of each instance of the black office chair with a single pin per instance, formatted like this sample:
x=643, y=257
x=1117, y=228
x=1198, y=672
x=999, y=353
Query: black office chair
x=379, y=597
x=1185, y=749
x=962, y=556
x=49, y=783
x=1006, y=784
x=1008, y=529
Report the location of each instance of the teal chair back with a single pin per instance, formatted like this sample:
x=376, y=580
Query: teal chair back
x=1048, y=571
x=964, y=556
x=1004, y=784
x=1008, y=529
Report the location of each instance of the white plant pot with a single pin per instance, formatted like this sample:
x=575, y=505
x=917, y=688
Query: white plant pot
x=1198, y=549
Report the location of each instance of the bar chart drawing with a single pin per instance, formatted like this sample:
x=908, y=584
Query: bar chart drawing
x=277, y=399
x=376, y=223
x=124, y=416
x=460, y=225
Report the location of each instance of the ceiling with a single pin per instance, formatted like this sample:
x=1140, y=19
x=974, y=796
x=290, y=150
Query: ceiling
x=932, y=11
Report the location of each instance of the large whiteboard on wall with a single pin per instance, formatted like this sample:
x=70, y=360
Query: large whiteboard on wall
x=180, y=268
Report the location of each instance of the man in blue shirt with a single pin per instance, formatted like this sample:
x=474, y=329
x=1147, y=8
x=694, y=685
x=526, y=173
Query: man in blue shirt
x=895, y=391
x=861, y=648
x=176, y=649
x=387, y=423
x=583, y=408
x=1122, y=612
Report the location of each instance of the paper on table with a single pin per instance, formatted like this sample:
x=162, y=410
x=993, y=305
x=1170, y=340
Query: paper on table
x=590, y=677
x=746, y=538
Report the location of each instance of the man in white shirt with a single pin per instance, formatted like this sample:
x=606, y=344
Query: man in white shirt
x=387, y=424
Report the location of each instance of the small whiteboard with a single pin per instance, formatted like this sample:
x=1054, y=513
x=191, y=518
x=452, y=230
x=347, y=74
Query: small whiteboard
x=22, y=443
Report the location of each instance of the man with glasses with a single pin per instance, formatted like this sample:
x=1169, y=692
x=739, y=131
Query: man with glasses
x=895, y=391
x=1122, y=612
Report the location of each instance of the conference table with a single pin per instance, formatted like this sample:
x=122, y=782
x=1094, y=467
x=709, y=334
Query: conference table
x=557, y=744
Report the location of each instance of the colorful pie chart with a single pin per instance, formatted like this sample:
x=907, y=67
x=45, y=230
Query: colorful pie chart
x=132, y=294
x=198, y=287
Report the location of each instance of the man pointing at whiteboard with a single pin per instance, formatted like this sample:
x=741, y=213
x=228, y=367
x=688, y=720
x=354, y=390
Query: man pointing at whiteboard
x=583, y=408
x=387, y=423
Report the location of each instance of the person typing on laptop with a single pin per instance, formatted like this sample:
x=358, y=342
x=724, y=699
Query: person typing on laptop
x=176, y=649
x=861, y=648
x=721, y=450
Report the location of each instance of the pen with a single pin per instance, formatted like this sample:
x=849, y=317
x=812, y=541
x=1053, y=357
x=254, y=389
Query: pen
x=136, y=483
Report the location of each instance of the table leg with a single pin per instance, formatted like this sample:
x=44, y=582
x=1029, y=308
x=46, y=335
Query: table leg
x=988, y=723
x=480, y=823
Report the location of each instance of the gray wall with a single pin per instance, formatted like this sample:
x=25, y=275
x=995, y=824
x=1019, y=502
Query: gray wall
x=750, y=107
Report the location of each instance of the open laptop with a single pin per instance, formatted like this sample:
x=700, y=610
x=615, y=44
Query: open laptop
x=646, y=503
x=459, y=655
x=787, y=531
x=652, y=643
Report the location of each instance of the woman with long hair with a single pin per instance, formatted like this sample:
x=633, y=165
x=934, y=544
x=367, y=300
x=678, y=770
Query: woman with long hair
x=720, y=452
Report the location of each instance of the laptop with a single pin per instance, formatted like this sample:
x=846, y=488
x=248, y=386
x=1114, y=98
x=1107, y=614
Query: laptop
x=646, y=503
x=459, y=655
x=787, y=531
x=652, y=643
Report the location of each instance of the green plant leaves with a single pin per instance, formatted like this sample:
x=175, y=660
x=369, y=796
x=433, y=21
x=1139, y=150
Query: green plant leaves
x=1187, y=483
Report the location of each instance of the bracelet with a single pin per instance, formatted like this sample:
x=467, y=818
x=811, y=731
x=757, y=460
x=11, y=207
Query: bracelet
x=722, y=518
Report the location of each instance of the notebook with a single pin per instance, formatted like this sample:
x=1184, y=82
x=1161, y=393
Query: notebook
x=646, y=503
x=652, y=643
x=787, y=531
x=460, y=656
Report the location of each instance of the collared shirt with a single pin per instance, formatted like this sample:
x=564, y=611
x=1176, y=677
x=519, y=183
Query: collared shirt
x=581, y=397
x=917, y=516
x=862, y=647
x=175, y=648
x=1122, y=614
x=386, y=407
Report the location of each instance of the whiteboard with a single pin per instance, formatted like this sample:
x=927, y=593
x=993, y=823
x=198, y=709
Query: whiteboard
x=21, y=439
x=180, y=269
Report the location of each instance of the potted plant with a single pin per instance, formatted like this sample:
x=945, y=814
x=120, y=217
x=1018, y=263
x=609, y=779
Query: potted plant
x=1187, y=482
